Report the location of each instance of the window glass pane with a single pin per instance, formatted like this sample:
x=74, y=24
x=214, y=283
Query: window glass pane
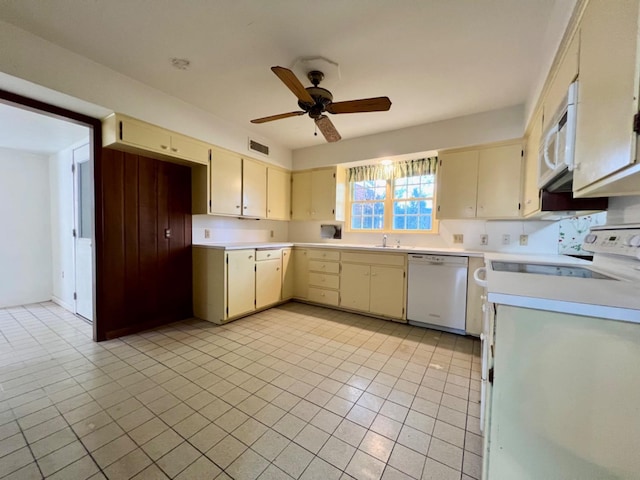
x=425, y=222
x=412, y=222
x=356, y=209
x=398, y=223
x=378, y=208
x=378, y=222
x=367, y=222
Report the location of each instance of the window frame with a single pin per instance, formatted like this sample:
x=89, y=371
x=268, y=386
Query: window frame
x=388, y=211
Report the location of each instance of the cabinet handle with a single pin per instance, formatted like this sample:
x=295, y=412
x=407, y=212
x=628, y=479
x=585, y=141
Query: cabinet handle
x=268, y=254
x=245, y=207
x=174, y=149
x=277, y=269
x=250, y=256
x=164, y=147
x=237, y=206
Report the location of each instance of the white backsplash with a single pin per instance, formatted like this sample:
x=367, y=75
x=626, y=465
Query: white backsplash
x=624, y=210
x=230, y=230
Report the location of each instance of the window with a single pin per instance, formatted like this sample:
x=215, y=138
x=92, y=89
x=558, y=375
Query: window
x=402, y=202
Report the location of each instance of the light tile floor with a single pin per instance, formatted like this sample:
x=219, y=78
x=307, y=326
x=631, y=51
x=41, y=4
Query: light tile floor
x=292, y=392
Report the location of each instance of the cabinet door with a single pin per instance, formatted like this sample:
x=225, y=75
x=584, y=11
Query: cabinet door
x=323, y=194
x=354, y=286
x=241, y=282
x=254, y=188
x=287, y=274
x=145, y=136
x=531, y=193
x=607, y=91
x=387, y=291
x=190, y=149
x=499, y=182
x=457, y=184
x=268, y=282
x=226, y=183
x=566, y=73
x=278, y=194
x=301, y=195
x=474, y=299
x=300, y=273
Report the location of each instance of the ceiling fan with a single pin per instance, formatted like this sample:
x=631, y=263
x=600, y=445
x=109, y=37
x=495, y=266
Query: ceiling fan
x=316, y=100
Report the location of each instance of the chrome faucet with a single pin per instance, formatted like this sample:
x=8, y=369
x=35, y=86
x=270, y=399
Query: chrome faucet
x=384, y=240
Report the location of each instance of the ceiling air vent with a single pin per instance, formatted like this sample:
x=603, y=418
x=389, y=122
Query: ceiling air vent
x=258, y=147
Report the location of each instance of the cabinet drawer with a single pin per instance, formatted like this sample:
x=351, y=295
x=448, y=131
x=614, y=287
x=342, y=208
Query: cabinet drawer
x=319, y=295
x=323, y=280
x=324, y=254
x=397, y=259
x=268, y=254
x=328, y=267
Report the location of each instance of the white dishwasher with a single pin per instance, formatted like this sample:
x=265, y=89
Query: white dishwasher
x=437, y=292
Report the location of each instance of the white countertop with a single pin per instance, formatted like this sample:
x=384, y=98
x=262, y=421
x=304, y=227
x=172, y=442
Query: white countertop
x=347, y=246
x=612, y=299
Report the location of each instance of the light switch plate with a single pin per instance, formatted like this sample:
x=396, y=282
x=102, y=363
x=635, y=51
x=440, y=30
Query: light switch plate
x=506, y=239
x=524, y=240
x=484, y=239
x=458, y=238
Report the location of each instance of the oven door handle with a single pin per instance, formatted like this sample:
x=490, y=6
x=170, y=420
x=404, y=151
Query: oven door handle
x=476, y=276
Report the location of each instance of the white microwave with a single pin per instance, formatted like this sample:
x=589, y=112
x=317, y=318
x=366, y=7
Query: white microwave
x=556, y=156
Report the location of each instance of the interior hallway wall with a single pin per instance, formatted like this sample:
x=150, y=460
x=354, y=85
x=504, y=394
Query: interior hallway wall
x=25, y=243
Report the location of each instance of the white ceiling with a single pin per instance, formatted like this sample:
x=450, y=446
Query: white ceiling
x=36, y=133
x=435, y=59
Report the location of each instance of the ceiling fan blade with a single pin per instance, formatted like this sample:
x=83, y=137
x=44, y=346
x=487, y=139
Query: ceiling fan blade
x=377, y=104
x=277, y=117
x=292, y=82
x=328, y=130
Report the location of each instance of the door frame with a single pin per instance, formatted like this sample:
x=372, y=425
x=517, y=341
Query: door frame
x=95, y=140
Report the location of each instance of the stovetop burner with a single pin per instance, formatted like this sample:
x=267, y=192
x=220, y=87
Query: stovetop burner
x=554, y=270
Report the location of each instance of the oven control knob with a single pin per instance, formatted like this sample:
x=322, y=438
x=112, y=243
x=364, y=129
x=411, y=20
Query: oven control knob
x=590, y=238
x=633, y=241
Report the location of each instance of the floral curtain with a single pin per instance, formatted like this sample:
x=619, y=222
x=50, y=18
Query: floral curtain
x=407, y=168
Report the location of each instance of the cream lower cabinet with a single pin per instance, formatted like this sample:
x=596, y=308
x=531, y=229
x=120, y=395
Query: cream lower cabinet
x=374, y=283
x=268, y=277
x=474, y=299
x=224, y=283
x=300, y=273
x=323, y=278
x=288, y=279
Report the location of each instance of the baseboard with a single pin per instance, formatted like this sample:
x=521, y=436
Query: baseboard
x=62, y=304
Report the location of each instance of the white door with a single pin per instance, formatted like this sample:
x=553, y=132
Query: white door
x=83, y=231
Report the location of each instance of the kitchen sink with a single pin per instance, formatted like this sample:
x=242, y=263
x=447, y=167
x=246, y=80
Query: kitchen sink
x=390, y=247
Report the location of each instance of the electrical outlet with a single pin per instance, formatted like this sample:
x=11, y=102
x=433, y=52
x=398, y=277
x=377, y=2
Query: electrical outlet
x=484, y=239
x=458, y=238
x=271, y=233
x=207, y=233
x=524, y=240
x=506, y=239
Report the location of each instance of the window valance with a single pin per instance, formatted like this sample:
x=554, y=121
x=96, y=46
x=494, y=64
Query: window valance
x=406, y=168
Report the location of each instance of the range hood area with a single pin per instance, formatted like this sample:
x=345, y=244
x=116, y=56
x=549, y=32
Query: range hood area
x=559, y=205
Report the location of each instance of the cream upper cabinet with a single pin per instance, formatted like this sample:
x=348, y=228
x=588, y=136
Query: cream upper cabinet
x=605, y=152
x=288, y=279
x=457, y=184
x=531, y=192
x=483, y=182
x=301, y=195
x=254, y=188
x=565, y=73
x=300, y=273
x=278, y=194
x=226, y=183
x=129, y=134
x=241, y=282
x=499, y=182
x=318, y=194
x=238, y=185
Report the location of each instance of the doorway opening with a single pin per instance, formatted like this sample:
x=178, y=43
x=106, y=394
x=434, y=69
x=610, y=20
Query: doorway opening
x=47, y=164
